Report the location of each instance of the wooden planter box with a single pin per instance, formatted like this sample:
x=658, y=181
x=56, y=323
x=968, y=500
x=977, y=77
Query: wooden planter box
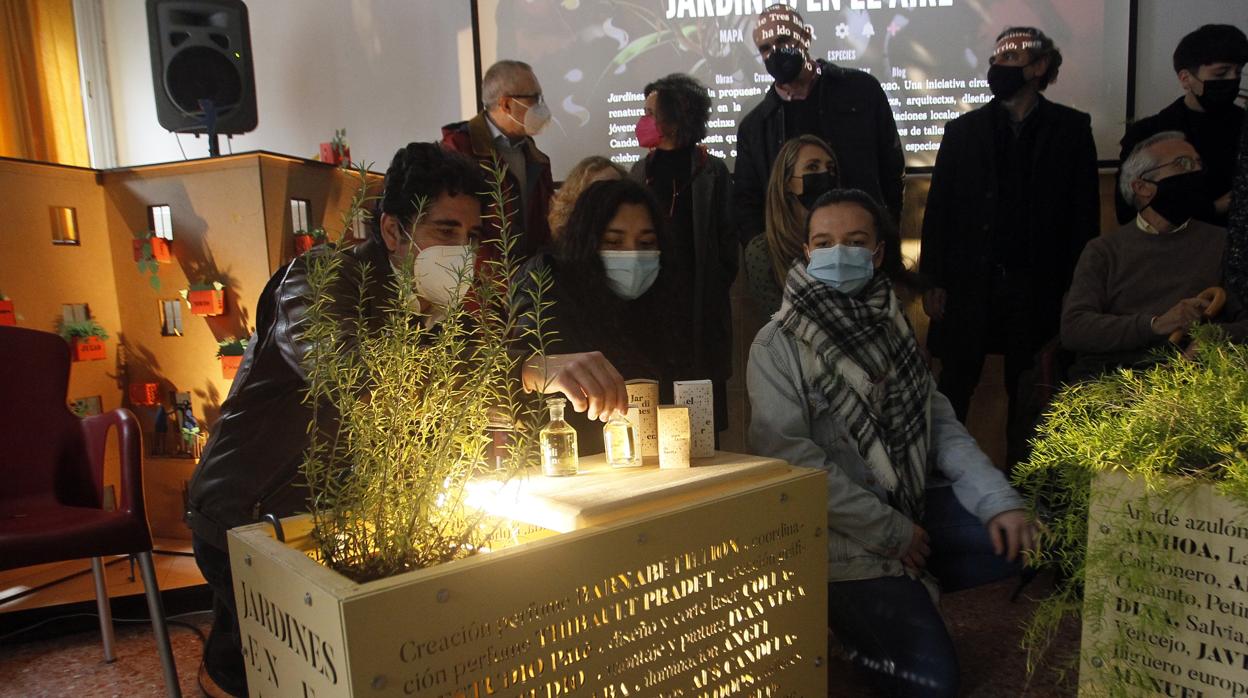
x=87, y=349
x=208, y=302
x=303, y=243
x=144, y=393
x=332, y=156
x=8, y=316
x=638, y=583
x=162, y=251
x=1170, y=571
x=229, y=366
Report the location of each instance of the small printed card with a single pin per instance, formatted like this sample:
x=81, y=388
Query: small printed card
x=673, y=436
x=698, y=396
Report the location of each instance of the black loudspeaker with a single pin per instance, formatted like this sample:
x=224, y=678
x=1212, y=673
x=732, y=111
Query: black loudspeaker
x=201, y=66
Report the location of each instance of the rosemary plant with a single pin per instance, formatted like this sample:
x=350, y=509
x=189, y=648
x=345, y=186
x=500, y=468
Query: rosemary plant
x=414, y=407
x=1180, y=422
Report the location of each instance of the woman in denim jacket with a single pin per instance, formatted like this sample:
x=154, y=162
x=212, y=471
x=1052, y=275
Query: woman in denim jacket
x=837, y=382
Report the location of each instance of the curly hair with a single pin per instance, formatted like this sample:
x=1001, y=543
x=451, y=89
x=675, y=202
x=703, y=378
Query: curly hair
x=684, y=107
x=425, y=171
x=585, y=172
x=1039, y=45
x=593, y=212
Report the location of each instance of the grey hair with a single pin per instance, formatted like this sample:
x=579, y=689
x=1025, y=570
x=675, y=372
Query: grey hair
x=500, y=78
x=1141, y=161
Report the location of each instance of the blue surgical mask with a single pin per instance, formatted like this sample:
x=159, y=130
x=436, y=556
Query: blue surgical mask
x=846, y=269
x=630, y=273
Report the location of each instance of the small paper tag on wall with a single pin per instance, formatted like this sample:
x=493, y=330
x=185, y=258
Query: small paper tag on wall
x=673, y=436
x=699, y=398
x=644, y=393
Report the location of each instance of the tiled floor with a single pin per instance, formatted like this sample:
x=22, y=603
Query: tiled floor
x=55, y=603
x=984, y=623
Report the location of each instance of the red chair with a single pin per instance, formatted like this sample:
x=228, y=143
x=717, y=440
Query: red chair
x=52, y=469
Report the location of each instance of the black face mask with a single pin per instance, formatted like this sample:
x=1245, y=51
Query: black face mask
x=1182, y=197
x=1005, y=80
x=815, y=185
x=785, y=64
x=1218, y=94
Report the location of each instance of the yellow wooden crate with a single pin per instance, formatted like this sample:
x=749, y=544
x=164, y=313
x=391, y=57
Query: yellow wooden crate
x=709, y=581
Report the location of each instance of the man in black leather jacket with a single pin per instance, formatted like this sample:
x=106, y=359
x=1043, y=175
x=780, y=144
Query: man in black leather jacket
x=251, y=464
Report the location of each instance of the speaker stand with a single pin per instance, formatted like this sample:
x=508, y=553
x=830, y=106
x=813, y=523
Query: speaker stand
x=210, y=122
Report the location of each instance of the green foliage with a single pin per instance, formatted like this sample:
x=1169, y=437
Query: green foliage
x=1181, y=421
x=339, y=141
x=232, y=346
x=147, y=263
x=81, y=330
x=318, y=235
x=415, y=405
x=360, y=202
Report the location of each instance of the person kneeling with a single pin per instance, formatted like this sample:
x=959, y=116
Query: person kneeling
x=837, y=382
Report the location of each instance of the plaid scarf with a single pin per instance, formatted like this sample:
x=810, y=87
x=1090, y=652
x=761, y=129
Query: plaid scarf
x=888, y=423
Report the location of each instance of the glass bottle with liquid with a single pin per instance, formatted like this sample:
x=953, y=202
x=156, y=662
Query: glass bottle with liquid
x=619, y=438
x=558, y=440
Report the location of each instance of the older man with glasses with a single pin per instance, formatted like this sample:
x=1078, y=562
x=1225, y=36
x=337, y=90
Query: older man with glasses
x=1149, y=281
x=514, y=111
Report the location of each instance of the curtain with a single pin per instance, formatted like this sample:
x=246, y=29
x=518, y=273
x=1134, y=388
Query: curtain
x=41, y=111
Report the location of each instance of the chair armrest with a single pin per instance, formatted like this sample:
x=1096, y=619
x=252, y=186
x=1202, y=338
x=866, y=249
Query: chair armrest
x=130, y=443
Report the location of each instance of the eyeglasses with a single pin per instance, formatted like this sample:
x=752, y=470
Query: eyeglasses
x=537, y=97
x=1182, y=163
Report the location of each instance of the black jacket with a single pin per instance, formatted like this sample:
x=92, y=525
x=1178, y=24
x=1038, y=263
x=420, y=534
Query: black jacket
x=1237, y=223
x=856, y=121
x=1063, y=213
x=1214, y=136
x=715, y=250
x=250, y=466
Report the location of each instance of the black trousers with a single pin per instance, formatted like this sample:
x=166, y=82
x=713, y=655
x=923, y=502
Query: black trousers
x=1009, y=331
x=223, y=652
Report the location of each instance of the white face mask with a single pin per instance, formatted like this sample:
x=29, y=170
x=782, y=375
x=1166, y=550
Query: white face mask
x=535, y=118
x=443, y=273
x=630, y=273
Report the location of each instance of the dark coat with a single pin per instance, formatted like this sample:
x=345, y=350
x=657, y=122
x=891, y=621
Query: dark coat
x=858, y=124
x=251, y=464
x=715, y=252
x=474, y=139
x=1063, y=211
x=1215, y=138
x=1237, y=222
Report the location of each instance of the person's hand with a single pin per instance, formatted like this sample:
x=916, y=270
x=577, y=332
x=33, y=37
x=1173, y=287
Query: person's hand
x=934, y=303
x=1011, y=532
x=915, y=556
x=1222, y=204
x=588, y=380
x=1183, y=315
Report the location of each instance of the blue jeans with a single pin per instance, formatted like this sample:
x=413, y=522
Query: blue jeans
x=889, y=625
x=223, y=652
